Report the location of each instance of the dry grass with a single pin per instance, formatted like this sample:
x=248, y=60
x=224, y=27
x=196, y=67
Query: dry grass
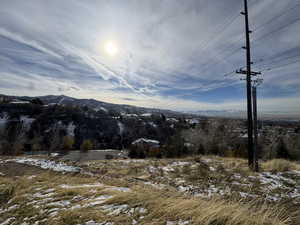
x=162, y=205
x=280, y=165
x=78, y=216
x=171, y=206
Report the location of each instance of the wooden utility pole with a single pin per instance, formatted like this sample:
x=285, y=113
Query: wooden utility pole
x=255, y=149
x=255, y=160
x=252, y=160
x=248, y=86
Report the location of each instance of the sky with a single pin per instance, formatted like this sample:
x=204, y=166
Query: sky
x=170, y=54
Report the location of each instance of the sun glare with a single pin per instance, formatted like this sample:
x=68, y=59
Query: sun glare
x=111, y=48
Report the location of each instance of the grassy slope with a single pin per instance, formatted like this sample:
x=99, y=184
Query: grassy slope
x=201, y=190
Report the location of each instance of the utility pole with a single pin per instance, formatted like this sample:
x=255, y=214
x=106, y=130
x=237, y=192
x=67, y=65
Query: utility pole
x=253, y=157
x=254, y=95
x=255, y=160
x=248, y=86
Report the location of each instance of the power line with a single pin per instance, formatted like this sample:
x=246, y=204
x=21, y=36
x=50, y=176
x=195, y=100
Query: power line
x=276, y=17
x=279, y=29
x=281, y=66
x=224, y=27
x=221, y=60
x=276, y=60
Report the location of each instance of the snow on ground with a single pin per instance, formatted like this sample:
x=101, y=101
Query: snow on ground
x=45, y=164
x=261, y=185
x=180, y=222
x=114, y=210
x=49, y=203
x=123, y=189
x=66, y=186
x=92, y=222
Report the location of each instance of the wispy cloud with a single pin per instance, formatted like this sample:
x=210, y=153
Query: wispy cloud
x=172, y=54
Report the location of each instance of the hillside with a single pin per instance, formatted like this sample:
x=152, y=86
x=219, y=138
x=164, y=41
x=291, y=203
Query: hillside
x=190, y=191
x=93, y=104
x=60, y=123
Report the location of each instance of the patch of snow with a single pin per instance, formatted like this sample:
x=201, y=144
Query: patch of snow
x=53, y=210
x=212, y=168
x=145, y=140
x=46, y=164
x=174, y=120
x=272, y=198
x=133, y=161
x=31, y=177
x=36, y=203
x=193, y=121
x=54, y=154
x=180, y=222
x=20, y=102
x=185, y=188
x=237, y=176
x=41, y=195
x=130, y=115
x=167, y=169
x=180, y=163
x=103, y=197
x=123, y=189
x=146, y=114
x=246, y=195
x=53, y=214
x=152, y=124
x=274, y=180
x=62, y=203
x=92, y=222
x=115, y=209
x=66, y=186
x=206, y=160
x=239, y=184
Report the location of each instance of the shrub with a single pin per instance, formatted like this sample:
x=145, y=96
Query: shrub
x=86, y=145
x=282, y=150
x=68, y=142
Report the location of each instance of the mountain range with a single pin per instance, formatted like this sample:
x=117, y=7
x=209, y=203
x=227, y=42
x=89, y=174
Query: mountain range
x=130, y=109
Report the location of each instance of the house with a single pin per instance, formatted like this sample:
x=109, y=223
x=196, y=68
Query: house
x=143, y=142
x=144, y=147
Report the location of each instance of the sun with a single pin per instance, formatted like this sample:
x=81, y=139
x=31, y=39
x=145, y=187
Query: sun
x=111, y=48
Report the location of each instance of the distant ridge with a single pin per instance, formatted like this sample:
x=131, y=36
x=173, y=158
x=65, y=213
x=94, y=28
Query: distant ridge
x=95, y=104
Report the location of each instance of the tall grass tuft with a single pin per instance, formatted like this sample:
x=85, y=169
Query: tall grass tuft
x=280, y=165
